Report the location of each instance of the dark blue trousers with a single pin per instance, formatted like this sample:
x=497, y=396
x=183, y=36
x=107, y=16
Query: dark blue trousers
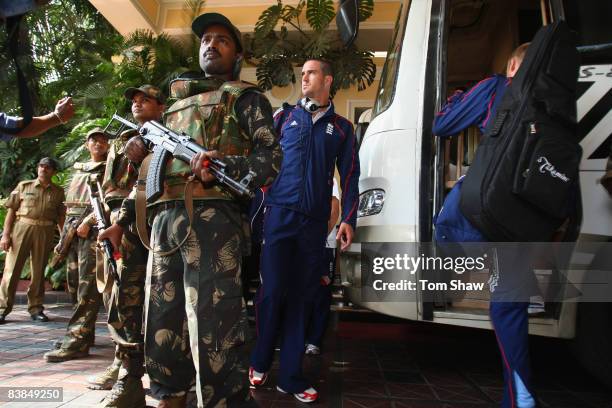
x=322, y=301
x=510, y=322
x=292, y=250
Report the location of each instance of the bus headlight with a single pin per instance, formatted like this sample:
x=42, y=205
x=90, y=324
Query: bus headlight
x=371, y=202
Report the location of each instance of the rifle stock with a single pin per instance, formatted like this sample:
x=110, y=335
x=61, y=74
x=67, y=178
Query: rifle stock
x=65, y=241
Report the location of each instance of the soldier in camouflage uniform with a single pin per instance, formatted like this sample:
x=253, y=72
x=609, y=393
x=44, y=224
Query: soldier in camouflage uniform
x=82, y=253
x=126, y=304
x=196, y=323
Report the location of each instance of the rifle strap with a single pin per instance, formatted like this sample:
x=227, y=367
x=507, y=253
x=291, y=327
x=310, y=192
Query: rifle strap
x=141, y=208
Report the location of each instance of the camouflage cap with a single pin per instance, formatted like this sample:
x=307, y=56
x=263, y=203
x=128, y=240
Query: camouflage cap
x=202, y=22
x=96, y=131
x=149, y=90
x=47, y=161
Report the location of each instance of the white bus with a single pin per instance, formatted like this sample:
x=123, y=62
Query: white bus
x=440, y=45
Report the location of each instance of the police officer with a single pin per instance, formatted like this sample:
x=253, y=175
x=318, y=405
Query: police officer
x=82, y=253
x=126, y=305
x=196, y=325
x=314, y=139
x=35, y=207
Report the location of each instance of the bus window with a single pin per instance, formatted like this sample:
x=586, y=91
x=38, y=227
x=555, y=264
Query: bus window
x=590, y=19
x=388, y=77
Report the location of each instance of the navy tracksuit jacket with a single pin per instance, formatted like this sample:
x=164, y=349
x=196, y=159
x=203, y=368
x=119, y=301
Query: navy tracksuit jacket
x=295, y=228
x=476, y=107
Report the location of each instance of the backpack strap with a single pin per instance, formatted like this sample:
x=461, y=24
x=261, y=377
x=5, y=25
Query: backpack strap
x=495, y=126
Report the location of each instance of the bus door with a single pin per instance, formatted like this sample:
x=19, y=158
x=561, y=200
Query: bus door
x=480, y=38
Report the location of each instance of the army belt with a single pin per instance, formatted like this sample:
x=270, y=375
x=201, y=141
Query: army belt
x=32, y=221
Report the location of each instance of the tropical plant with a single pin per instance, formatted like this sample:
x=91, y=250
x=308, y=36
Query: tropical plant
x=63, y=46
x=276, y=52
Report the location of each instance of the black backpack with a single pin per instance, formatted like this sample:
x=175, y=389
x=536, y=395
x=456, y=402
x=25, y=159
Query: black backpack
x=523, y=182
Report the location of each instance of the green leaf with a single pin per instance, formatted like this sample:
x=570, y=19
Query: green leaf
x=319, y=44
x=267, y=20
x=352, y=66
x=290, y=13
x=320, y=13
x=275, y=72
x=366, y=9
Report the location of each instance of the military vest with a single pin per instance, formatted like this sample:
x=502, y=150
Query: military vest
x=205, y=110
x=120, y=175
x=77, y=196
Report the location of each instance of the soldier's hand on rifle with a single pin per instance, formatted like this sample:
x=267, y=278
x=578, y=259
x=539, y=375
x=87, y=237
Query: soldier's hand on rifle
x=200, y=163
x=114, y=233
x=135, y=150
x=5, y=243
x=83, y=230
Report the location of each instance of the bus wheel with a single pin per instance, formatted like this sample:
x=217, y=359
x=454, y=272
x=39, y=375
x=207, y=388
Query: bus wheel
x=593, y=343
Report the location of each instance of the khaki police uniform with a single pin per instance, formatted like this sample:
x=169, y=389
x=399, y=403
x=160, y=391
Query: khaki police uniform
x=38, y=210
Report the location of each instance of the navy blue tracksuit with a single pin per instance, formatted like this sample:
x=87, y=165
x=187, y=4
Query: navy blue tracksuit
x=509, y=318
x=295, y=229
x=317, y=324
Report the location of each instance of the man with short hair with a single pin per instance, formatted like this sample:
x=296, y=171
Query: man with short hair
x=476, y=107
x=196, y=324
x=126, y=304
x=81, y=257
x=35, y=208
x=314, y=140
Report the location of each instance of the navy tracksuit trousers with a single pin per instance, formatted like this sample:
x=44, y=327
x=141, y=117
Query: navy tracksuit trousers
x=508, y=312
x=322, y=301
x=292, y=249
x=510, y=322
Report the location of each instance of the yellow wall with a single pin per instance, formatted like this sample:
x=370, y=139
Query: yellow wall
x=151, y=8
x=384, y=13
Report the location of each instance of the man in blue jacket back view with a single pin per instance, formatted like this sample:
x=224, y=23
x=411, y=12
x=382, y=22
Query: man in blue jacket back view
x=314, y=140
x=476, y=107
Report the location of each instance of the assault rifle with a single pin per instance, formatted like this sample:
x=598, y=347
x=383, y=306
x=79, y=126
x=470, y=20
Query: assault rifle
x=168, y=143
x=66, y=238
x=101, y=223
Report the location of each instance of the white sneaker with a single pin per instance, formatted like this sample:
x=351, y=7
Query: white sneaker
x=256, y=378
x=312, y=350
x=308, y=395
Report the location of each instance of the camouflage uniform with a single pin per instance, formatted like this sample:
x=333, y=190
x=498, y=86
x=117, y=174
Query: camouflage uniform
x=196, y=324
x=81, y=258
x=126, y=302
